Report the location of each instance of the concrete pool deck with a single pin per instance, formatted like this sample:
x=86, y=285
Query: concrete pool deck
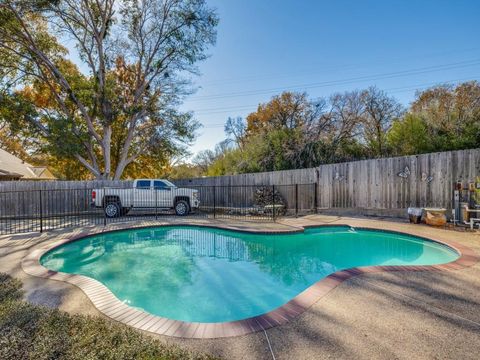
x=377, y=315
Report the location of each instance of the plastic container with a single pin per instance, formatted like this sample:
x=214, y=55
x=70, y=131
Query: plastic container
x=415, y=214
x=435, y=216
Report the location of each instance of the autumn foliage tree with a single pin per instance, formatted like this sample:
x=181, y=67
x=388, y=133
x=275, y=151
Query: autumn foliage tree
x=122, y=110
x=292, y=131
x=451, y=114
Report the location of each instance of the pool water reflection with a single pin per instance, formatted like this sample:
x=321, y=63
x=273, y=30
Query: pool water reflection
x=210, y=275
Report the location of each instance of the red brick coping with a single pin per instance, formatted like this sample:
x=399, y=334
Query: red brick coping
x=107, y=303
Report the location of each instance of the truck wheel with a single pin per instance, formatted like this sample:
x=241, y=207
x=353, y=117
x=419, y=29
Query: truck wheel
x=182, y=208
x=112, y=210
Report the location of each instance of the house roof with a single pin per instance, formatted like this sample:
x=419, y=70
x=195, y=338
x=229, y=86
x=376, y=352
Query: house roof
x=14, y=168
x=6, y=175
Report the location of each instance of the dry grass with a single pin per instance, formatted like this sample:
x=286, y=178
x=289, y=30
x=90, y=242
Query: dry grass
x=35, y=332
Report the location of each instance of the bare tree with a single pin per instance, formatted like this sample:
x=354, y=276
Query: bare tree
x=236, y=128
x=379, y=112
x=204, y=159
x=345, y=115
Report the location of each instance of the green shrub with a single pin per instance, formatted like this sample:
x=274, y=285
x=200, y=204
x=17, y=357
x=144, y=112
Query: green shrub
x=35, y=332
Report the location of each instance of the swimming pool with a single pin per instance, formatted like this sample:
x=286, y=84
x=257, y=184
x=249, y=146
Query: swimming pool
x=207, y=275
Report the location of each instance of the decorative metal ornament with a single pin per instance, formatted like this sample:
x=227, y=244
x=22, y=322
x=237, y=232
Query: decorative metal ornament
x=427, y=178
x=405, y=173
x=338, y=176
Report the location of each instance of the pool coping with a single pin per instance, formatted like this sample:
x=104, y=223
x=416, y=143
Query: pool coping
x=109, y=305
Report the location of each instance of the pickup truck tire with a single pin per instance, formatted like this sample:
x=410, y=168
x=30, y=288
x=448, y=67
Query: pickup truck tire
x=182, y=208
x=112, y=210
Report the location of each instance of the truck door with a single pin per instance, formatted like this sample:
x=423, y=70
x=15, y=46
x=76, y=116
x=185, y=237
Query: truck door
x=163, y=194
x=143, y=194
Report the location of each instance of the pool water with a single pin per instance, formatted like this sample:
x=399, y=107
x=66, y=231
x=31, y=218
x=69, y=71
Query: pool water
x=211, y=275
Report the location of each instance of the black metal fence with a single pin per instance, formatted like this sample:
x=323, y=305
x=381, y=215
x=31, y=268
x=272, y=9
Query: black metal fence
x=43, y=210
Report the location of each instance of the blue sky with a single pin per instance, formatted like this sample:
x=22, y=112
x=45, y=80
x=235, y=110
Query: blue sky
x=323, y=47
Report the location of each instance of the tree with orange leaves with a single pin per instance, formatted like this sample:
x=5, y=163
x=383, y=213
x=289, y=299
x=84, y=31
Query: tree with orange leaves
x=124, y=107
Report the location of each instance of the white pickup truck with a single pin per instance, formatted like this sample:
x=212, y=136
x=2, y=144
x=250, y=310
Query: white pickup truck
x=145, y=194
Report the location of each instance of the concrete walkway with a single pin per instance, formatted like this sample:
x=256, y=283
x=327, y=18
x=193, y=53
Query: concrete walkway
x=406, y=315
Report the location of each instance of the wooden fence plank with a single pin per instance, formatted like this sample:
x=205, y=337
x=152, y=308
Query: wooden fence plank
x=374, y=186
x=367, y=186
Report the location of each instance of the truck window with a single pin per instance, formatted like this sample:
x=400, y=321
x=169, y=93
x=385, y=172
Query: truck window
x=169, y=184
x=143, y=184
x=160, y=185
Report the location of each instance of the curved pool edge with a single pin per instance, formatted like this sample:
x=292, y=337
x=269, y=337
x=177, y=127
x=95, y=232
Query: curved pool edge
x=109, y=305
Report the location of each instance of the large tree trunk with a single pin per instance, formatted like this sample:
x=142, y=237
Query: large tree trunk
x=119, y=170
x=149, y=27
x=107, y=139
x=95, y=171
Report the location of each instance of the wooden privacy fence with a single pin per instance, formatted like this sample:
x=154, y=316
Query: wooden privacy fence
x=22, y=198
x=377, y=187
x=385, y=187
x=61, y=185
x=296, y=198
x=48, y=209
x=241, y=199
